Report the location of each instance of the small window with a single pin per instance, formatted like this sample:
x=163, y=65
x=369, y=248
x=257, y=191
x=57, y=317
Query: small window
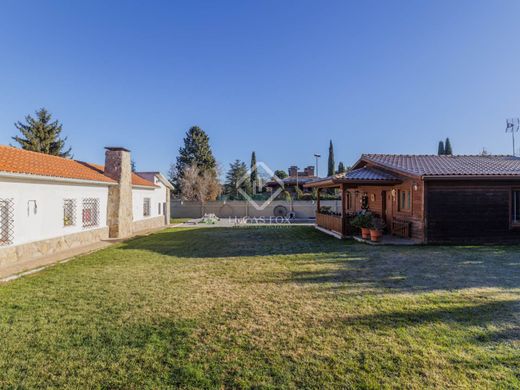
x=515, y=209
x=348, y=200
x=159, y=208
x=69, y=212
x=6, y=221
x=405, y=200
x=146, y=207
x=90, y=214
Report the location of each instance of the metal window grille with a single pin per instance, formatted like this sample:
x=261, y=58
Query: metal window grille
x=69, y=212
x=146, y=207
x=6, y=221
x=90, y=215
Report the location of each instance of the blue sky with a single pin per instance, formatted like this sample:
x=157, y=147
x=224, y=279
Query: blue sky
x=277, y=77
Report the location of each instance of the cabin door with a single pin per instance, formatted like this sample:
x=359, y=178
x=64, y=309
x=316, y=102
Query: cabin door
x=386, y=198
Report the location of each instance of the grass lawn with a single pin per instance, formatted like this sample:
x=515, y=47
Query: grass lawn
x=265, y=308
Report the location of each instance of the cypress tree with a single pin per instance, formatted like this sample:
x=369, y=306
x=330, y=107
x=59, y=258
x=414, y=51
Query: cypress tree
x=41, y=135
x=254, y=173
x=341, y=168
x=331, y=163
x=447, y=147
x=440, y=149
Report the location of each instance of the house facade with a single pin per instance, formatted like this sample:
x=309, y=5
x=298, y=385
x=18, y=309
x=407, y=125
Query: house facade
x=49, y=204
x=430, y=199
x=294, y=179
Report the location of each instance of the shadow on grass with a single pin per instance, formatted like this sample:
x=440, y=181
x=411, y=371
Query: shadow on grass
x=337, y=264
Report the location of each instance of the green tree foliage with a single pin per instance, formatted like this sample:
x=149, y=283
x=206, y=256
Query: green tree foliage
x=254, y=174
x=235, y=179
x=196, y=150
x=280, y=174
x=440, y=149
x=41, y=135
x=447, y=147
x=341, y=168
x=331, y=163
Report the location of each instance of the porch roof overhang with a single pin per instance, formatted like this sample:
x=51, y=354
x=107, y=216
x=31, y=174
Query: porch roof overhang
x=356, y=177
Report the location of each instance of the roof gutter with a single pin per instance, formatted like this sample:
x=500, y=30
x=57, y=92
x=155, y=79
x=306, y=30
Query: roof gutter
x=56, y=179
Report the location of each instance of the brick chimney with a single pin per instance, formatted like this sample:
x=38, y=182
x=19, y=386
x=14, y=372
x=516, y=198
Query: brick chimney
x=118, y=166
x=309, y=171
x=293, y=171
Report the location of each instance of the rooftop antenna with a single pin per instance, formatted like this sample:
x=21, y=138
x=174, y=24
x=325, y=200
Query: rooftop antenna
x=512, y=126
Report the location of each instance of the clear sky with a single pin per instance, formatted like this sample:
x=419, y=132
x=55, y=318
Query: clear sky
x=278, y=77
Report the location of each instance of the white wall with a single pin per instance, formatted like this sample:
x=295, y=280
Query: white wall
x=48, y=220
x=156, y=195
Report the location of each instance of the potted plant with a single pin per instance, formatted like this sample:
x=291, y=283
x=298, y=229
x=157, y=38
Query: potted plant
x=363, y=221
x=376, y=230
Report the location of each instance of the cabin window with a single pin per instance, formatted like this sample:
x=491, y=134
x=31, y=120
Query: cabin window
x=146, y=207
x=6, y=221
x=90, y=214
x=405, y=200
x=515, y=217
x=348, y=200
x=69, y=212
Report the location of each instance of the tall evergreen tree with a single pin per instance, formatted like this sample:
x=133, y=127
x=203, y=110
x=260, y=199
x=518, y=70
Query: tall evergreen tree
x=41, y=135
x=341, y=168
x=331, y=163
x=447, y=147
x=440, y=149
x=254, y=174
x=235, y=179
x=196, y=151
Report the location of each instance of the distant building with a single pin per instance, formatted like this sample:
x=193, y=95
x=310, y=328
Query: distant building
x=295, y=179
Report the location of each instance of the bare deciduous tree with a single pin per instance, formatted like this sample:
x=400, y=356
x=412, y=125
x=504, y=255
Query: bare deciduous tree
x=197, y=186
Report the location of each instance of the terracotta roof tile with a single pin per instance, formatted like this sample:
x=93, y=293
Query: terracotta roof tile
x=14, y=160
x=431, y=165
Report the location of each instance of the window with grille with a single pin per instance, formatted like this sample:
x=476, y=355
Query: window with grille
x=6, y=221
x=405, y=200
x=515, y=209
x=146, y=207
x=69, y=212
x=90, y=214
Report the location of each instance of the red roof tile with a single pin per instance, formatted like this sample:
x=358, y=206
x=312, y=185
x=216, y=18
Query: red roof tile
x=14, y=160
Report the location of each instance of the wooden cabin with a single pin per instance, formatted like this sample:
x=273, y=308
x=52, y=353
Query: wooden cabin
x=430, y=199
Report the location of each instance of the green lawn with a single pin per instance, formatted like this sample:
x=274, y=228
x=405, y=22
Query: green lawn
x=265, y=308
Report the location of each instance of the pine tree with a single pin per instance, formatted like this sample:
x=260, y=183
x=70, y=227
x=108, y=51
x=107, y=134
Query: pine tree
x=447, y=147
x=235, y=179
x=42, y=135
x=341, y=168
x=331, y=165
x=254, y=174
x=196, y=150
x=440, y=149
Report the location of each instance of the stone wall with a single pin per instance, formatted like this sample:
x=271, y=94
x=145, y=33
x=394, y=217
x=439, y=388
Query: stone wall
x=148, y=223
x=33, y=250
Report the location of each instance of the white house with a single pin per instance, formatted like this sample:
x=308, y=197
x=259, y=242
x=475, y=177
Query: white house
x=49, y=204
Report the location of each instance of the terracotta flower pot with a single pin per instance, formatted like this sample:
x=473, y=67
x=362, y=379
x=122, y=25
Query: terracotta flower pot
x=365, y=233
x=375, y=235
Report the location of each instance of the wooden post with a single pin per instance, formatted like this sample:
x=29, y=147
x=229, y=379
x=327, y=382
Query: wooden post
x=318, y=200
x=343, y=214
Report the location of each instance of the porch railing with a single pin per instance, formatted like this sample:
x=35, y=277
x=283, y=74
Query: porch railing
x=330, y=222
x=401, y=228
